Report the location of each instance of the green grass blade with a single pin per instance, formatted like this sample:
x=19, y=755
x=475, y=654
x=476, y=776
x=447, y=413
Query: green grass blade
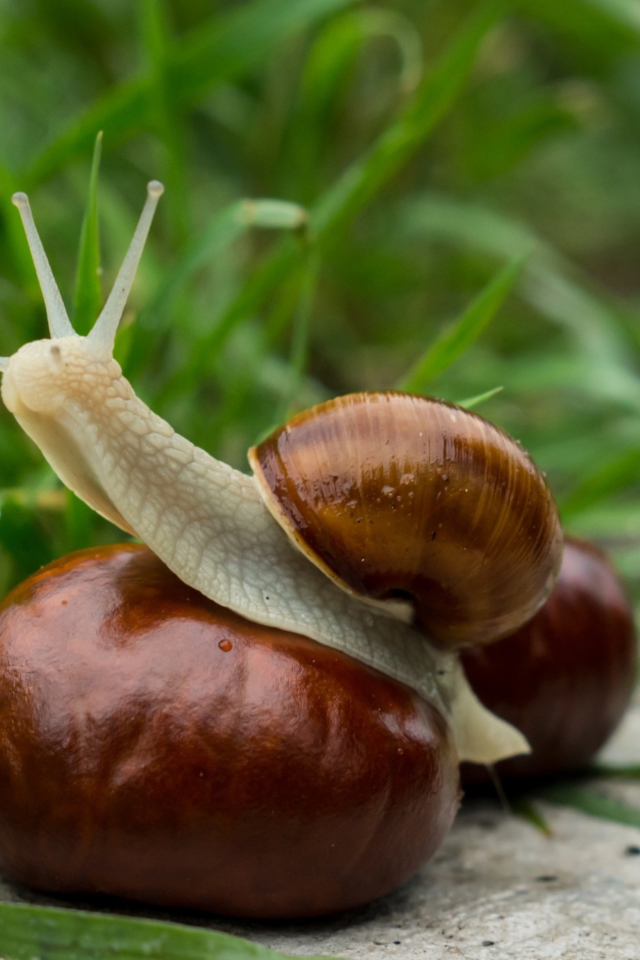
x=79, y=521
x=455, y=339
x=221, y=49
x=600, y=28
x=34, y=497
x=433, y=98
x=223, y=228
x=50, y=933
x=383, y=22
x=528, y=811
x=545, y=284
x=157, y=44
x=626, y=771
x=87, y=299
x=119, y=114
x=471, y=402
x=16, y=246
x=626, y=12
x=328, y=69
x=23, y=537
x=608, y=478
x=360, y=182
x=300, y=331
x=271, y=272
x=232, y=44
x=594, y=805
x=273, y=214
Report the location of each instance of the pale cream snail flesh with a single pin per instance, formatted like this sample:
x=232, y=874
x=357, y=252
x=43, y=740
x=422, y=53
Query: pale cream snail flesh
x=208, y=522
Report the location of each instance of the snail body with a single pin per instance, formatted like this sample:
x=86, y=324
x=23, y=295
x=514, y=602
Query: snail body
x=210, y=525
x=157, y=746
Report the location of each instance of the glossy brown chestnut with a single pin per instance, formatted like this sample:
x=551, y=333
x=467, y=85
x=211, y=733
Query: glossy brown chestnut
x=395, y=495
x=565, y=678
x=156, y=746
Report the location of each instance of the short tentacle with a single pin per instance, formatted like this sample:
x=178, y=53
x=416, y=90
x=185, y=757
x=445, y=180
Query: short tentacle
x=59, y=323
x=106, y=326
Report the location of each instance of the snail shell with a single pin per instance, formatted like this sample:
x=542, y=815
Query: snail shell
x=401, y=496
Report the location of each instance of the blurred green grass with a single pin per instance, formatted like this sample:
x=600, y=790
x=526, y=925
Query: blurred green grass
x=417, y=149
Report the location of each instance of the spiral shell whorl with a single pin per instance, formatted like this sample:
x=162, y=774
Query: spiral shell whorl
x=397, y=495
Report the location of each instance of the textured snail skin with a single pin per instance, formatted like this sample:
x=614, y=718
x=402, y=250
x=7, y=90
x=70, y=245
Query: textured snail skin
x=400, y=495
x=158, y=747
x=566, y=678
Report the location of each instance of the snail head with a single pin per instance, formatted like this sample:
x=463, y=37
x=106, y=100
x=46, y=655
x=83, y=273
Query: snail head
x=41, y=374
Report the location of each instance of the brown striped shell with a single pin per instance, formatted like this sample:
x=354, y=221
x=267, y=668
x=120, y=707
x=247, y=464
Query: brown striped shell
x=402, y=496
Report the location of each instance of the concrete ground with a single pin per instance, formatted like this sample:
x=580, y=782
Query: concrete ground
x=498, y=888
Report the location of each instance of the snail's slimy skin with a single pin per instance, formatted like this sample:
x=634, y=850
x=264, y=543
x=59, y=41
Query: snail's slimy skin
x=206, y=521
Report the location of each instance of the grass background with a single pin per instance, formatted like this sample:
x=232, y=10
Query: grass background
x=442, y=195
x=439, y=194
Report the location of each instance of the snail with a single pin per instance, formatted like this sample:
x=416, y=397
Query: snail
x=490, y=526
x=566, y=677
x=157, y=746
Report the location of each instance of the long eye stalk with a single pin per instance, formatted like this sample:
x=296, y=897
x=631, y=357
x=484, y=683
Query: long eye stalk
x=106, y=326
x=59, y=323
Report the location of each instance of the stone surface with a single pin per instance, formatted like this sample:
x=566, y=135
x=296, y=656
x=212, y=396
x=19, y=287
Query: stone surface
x=498, y=888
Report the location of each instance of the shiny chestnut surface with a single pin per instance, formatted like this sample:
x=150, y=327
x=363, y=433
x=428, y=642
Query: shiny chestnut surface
x=156, y=746
x=400, y=495
x=565, y=678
